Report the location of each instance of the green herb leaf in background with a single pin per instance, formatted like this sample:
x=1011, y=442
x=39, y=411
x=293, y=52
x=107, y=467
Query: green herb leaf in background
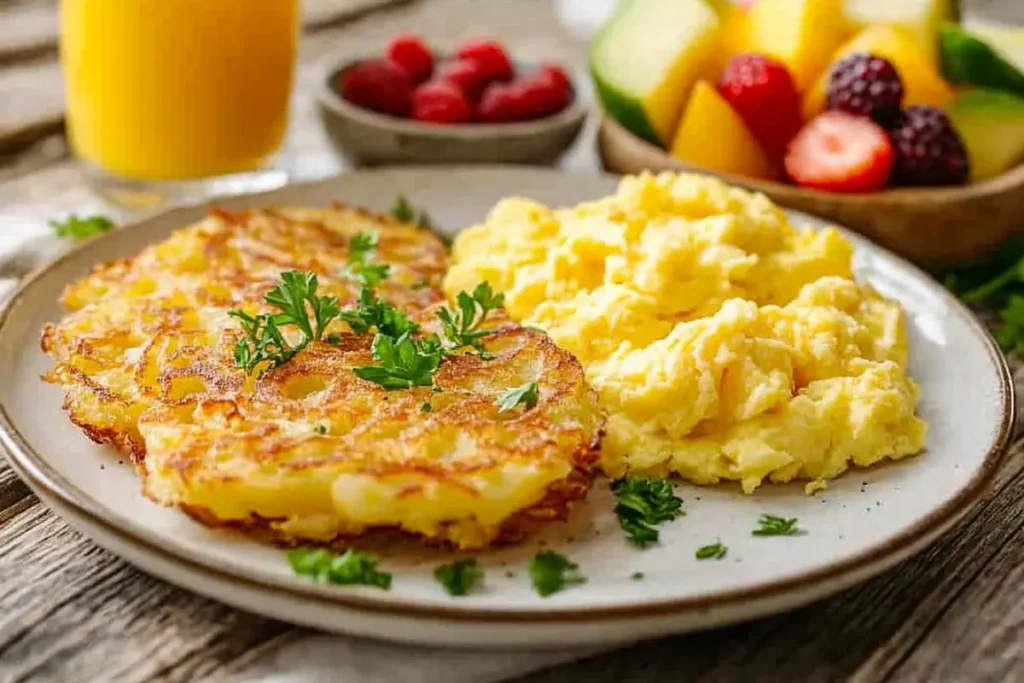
x=404, y=211
x=771, y=525
x=714, y=550
x=81, y=228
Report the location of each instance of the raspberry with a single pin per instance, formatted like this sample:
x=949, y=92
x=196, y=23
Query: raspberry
x=928, y=149
x=541, y=95
x=762, y=92
x=377, y=84
x=556, y=74
x=465, y=75
x=491, y=57
x=440, y=102
x=410, y=52
x=866, y=85
x=502, y=103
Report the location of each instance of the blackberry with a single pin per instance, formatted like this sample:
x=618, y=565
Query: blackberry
x=866, y=85
x=928, y=149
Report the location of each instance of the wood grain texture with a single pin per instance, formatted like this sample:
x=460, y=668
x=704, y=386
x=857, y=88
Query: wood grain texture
x=71, y=611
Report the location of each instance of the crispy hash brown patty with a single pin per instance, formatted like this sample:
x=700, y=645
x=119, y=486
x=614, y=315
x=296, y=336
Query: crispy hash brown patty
x=308, y=451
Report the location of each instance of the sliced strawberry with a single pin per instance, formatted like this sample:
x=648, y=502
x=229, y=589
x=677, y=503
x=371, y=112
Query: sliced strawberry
x=840, y=152
x=491, y=57
x=412, y=53
x=377, y=84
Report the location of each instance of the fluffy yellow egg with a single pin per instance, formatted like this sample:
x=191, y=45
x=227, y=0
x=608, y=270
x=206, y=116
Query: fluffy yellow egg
x=725, y=343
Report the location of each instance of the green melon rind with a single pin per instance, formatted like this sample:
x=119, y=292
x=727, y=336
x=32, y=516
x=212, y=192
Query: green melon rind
x=991, y=124
x=625, y=109
x=967, y=60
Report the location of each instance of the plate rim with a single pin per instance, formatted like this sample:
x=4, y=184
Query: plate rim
x=33, y=466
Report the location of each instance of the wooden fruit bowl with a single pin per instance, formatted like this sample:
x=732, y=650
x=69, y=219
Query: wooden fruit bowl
x=930, y=226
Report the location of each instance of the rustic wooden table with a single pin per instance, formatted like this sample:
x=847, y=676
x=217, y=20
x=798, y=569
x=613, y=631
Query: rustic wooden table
x=71, y=611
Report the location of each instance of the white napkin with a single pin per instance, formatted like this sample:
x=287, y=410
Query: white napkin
x=338, y=659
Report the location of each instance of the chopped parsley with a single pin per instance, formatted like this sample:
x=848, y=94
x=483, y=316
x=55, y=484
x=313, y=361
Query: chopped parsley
x=637, y=576
x=461, y=327
x=552, y=572
x=771, y=525
x=351, y=568
x=402, y=363
x=404, y=211
x=526, y=395
x=298, y=305
x=320, y=429
x=426, y=407
x=81, y=228
x=459, y=577
x=642, y=504
x=713, y=551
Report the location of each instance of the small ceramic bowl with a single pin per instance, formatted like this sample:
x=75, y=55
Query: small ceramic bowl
x=368, y=138
x=929, y=225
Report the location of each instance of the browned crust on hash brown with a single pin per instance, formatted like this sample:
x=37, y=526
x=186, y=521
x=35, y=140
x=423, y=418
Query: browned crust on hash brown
x=140, y=343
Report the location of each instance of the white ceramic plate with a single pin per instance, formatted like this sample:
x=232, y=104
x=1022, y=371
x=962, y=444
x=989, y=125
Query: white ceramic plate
x=865, y=522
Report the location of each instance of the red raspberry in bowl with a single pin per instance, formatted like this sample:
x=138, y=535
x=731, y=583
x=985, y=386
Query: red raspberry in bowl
x=556, y=74
x=928, y=149
x=762, y=92
x=490, y=56
x=410, y=52
x=502, y=103
x=866, y=85
x=379, y=85
x=467, y=76
x=440, y=102
x=543, y=94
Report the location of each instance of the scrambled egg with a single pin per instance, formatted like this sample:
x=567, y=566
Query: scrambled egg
x=724, y=343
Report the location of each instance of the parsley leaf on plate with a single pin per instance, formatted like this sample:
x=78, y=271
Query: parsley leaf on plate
x=552, y=572
x=459, y=577
x=81, y=228
x=714, y=551
x=642, y=504
x=527, y=394
x=771, y=525
x=351, y=568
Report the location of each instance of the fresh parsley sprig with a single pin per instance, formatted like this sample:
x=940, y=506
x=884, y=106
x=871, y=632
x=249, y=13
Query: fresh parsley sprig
x=552, y=572
x=361, y=267
x=459, y=577
x=402, y=363
x=712, y=551
x=351, y=568
x=642, y=504
x=81, y=228
x=461, y=327
x=526, y=395
x=772, y=525
x=404, y=211
x=998, y=282
x=297, y=300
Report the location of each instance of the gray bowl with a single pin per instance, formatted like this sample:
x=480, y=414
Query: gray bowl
x=365, y=137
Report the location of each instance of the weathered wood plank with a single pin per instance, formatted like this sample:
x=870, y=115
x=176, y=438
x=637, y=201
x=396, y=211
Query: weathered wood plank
x=28, y=30
x=71, y=611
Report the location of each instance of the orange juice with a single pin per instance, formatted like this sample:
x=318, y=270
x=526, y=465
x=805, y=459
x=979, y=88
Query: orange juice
x=175, y=89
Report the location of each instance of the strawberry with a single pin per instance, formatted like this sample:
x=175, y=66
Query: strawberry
x=377, y=84
x=410, y=52
x=762, y=92
x=841, y=152
x=490, y=56
x=440, y=102
x=465, y=75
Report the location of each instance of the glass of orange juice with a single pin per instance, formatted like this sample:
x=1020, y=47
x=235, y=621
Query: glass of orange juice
x=176, y=93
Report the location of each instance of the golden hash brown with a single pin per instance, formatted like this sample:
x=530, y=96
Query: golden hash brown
x=308, y=451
